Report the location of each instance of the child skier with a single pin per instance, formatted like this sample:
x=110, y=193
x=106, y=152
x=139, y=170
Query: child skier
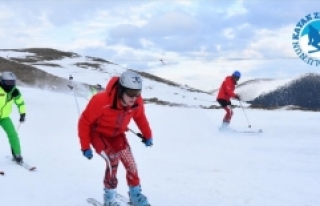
x=103, y=124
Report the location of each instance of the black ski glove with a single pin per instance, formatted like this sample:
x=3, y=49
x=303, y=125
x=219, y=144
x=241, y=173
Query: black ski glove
x=22, y=117
x=147, y=142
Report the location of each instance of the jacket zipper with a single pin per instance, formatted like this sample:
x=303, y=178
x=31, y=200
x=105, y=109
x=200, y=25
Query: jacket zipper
x=119, y=123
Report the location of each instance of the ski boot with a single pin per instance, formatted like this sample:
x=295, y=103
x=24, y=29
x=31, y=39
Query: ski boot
x=17, y=158
x=225, y=127
x=136, y=198
x=110, y=197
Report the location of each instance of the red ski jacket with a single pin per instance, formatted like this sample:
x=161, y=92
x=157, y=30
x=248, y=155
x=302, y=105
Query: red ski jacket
x=227, y=88
x=105, y=115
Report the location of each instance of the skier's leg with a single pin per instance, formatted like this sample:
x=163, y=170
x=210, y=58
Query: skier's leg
x=110, y=181
x=110, y=178
x=13, y=138
x=223, y=104
x=129, y=164
x=112, y=162
x=226, y=105
x=136, y=197
x=228, y=115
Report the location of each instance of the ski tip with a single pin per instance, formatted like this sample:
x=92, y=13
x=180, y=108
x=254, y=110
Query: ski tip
x=90, y=200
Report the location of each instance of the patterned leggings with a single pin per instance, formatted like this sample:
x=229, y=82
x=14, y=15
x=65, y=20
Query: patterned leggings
x=112, y=161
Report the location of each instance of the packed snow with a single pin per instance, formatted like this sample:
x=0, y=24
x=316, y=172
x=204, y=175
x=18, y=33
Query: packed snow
x=190, y=164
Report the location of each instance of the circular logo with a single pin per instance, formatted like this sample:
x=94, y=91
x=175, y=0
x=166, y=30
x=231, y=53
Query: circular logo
x=306, y=39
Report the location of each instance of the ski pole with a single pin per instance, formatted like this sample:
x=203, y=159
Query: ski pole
x=138, y=134
x=106, y=158
x=83, y=96
x=249, y=125
x=74, y=93
x=71, y=87
x=18, y=126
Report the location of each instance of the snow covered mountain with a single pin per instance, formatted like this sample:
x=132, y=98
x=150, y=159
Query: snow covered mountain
x=50, y=69
x=301, y=92
x=252, y=89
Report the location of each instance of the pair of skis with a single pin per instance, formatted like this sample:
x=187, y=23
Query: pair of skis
x=125, y=201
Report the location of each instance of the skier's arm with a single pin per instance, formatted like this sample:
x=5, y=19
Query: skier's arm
x=19, y=101
x=141, y=120
x=86, y=120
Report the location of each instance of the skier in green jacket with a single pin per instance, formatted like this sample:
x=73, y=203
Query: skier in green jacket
x=10, y=94
x=95, y=89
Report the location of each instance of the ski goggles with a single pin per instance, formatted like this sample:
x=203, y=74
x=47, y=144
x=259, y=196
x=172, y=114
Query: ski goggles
x=133, y=92
x=236, y=78
x=9, y=82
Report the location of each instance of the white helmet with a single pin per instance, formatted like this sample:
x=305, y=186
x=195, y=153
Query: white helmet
x=8, y=78
x=131, y=80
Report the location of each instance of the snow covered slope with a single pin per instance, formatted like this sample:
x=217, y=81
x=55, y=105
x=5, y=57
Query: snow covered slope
x=93, y=71
x=190, y=164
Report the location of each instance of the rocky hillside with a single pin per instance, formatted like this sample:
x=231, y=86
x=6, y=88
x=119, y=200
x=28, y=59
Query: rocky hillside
x=300, y=93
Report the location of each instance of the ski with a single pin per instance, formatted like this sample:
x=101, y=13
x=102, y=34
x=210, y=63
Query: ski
x=24, y=165
x=94, y=202
x=248, y=131
x=241, y=131
x=125, y=201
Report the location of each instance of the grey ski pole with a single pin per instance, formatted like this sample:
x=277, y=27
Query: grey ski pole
x=138, y=134
x=249, y=125
x=18, y=126
x=74, y=92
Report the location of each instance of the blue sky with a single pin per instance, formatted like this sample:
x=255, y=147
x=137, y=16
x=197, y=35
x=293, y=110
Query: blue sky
x=199, y=41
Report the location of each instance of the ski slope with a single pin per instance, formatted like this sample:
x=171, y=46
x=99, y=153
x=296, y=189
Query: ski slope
x=190, y=164
x=90, y=75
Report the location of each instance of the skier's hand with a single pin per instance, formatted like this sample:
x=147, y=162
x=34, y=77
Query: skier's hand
x=87, y=153
x=22, y=117
x=148, y=142
x=237, y=97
